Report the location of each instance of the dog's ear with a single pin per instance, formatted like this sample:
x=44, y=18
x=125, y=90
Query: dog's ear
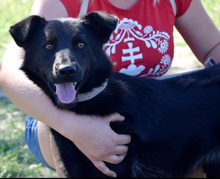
x=101, y=23
x=22, y=30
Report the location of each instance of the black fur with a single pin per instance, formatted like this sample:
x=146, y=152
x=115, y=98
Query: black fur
x=174, y=123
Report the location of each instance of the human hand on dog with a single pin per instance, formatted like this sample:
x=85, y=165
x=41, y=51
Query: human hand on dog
x=100, y=143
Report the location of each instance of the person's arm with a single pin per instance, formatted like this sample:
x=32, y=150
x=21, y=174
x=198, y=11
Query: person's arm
x=200, y=33
x=91, y=134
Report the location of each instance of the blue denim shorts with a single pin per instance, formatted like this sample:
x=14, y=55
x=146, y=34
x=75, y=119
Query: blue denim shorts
x=31, y=139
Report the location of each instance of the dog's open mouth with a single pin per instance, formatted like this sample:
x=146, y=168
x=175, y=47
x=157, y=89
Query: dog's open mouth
x=65, y=93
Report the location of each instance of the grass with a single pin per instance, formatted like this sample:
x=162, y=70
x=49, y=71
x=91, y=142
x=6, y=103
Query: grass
x=213, y=9
x=11, y=12
x=16, y=161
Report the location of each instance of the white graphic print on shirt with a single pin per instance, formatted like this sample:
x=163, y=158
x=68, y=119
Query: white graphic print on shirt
x=127, y=32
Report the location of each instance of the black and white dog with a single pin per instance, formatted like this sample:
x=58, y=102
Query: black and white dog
x=174, y=123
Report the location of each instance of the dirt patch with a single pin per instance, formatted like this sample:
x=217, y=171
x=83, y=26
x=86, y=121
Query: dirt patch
x=184, y=61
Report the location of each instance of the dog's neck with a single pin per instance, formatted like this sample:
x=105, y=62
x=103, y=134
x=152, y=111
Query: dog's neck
x=94, y=92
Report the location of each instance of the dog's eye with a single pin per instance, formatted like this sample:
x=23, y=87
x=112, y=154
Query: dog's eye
x=81, y=45
x=48, y=46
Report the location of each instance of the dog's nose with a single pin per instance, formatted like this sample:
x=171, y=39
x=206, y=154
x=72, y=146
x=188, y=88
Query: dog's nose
x=66, y=71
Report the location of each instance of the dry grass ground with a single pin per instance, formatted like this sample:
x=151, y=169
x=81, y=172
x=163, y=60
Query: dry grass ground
x=184, y=60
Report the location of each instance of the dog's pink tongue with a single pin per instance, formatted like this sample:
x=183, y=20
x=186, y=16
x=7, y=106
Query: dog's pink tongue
x=66, y=92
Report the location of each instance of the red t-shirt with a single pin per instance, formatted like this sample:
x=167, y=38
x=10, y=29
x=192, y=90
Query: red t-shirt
x=142, y=44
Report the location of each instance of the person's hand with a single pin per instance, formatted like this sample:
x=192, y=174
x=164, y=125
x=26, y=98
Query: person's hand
x=95, y=138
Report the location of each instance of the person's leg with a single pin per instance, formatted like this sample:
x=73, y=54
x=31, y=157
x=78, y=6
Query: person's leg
x=44, y=144
x=38, y=142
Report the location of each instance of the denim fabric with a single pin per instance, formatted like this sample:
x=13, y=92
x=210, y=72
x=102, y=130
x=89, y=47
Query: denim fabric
x=31, y=139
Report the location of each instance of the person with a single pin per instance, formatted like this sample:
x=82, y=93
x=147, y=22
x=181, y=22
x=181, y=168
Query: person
x=141, y=45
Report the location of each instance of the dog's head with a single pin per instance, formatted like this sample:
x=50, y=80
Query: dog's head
x=65, y=56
